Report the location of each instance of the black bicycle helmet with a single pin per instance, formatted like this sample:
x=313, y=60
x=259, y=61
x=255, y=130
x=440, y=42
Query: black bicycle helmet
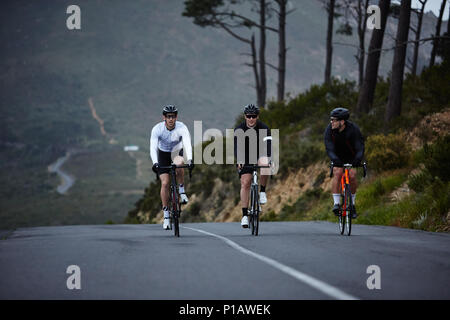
x=340, y=113
x=251, y=109
x=170, y=109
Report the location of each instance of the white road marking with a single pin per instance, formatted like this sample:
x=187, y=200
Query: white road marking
x=313, y=282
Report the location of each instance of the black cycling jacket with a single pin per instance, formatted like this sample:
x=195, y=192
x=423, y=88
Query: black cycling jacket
x=267, y=151
x=346, y=146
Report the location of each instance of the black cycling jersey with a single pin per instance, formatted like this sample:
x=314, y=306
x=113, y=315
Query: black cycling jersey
x=267, y=145
x=346, y=146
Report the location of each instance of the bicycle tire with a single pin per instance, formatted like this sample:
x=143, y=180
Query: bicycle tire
x=341, y=217
x=175, y=212
x=256, y=214
x=252, y=210
x=170, y=209
x=348, y=195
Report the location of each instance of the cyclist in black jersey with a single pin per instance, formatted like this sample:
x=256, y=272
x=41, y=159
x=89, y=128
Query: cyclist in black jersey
x=344, y=144
x=252, y=145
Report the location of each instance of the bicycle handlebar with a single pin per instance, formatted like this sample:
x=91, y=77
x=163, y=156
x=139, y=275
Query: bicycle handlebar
x=348, y=165
x=253, y=167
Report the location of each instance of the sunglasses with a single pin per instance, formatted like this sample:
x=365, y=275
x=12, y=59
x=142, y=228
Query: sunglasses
x=334, y=119
x=171, y=116
x=251, y=116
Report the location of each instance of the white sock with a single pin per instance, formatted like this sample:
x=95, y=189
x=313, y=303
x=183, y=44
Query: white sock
x=181, y=188
x=353, y=198
x=166, y=212
x=337, y=198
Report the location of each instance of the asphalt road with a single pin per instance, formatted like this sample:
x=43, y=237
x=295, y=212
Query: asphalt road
x=288, y=260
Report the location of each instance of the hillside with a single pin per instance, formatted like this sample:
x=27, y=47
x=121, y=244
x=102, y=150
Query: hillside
x=128, y=60
x=408, y=179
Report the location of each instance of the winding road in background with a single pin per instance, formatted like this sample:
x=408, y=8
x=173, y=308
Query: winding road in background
x=288, y=260
x=67, y=180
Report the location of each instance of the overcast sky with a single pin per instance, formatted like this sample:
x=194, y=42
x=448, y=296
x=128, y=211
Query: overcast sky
x=433, y=5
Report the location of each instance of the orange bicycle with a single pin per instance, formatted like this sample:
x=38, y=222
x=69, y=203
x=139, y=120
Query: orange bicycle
x=346, y=209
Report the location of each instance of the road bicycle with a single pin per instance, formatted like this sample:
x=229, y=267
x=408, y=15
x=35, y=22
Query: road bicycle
x=254, y=211
x=174, y=197
x=347, y=208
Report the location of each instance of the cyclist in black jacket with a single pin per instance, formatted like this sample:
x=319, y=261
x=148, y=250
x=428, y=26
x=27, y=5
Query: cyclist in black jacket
x=252, y=154
x=344, y=144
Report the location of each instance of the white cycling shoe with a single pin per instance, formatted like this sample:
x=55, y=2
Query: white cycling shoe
x=184, y=199
x=166, y=224
x=244, y=222
x=262, y=198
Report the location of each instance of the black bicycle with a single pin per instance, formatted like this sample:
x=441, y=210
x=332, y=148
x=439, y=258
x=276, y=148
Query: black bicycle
x=174, y=197
x=254, y=211
x=347, y=207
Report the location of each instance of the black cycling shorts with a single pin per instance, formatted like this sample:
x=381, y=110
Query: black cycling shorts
x=165, y=159
x=245, y=170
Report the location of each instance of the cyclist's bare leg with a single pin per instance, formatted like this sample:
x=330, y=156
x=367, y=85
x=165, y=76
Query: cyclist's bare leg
x=264, y=172
x=165, y=182
x=246, y=181
x=336, y=188
x=178, y=160
x=353, y=181
x=336, y=183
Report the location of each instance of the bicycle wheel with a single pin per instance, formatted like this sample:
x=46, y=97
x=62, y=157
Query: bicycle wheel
x=175, y=212
x=349, y=210
x=256, y=214
x=252, y=210
x=341, y=217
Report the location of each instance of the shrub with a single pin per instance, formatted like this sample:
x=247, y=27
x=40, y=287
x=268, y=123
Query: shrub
x=387, y=152
x=437, y=158
x=418, y=182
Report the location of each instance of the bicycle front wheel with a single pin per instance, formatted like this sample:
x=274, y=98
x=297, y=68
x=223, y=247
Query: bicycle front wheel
x=252, y=210
x=175, y=212
x=349, y=210
x=341, y=217
x=256, y=215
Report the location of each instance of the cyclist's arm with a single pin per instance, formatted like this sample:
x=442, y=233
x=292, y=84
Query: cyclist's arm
x=186, y=137
x=154, y=146
x=330, y=147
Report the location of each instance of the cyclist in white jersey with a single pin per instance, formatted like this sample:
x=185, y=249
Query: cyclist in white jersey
x=168, y=142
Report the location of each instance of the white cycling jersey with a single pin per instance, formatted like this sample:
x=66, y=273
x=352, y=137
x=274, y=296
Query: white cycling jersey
x=170, y=140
